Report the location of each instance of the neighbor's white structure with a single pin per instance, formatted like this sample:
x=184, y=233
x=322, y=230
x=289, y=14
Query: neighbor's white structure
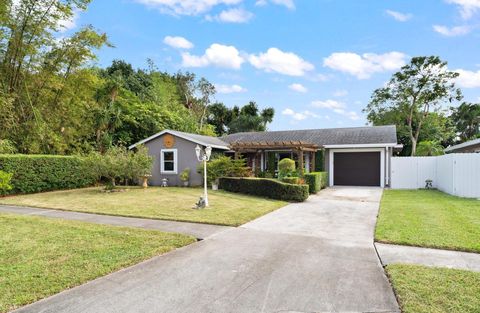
x=456, y=174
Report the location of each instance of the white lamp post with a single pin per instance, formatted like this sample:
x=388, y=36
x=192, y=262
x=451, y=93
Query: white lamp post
x=204, y=157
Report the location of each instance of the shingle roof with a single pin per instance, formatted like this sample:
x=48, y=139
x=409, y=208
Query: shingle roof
x=329, y=136
x=214, y=142
x=463, y=145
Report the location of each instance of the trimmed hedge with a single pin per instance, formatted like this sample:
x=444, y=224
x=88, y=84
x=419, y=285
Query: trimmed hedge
x=313, y=180
x=37, y=173
x=291, y=180
x=316, y=181
x=263, y=187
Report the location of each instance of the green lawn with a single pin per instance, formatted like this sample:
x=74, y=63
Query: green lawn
x=160, y=203
x=40, y=256
x=429, y=218
x=422, y=289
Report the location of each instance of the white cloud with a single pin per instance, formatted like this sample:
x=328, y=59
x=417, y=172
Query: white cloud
x=468, y=79
x=365, y=65
x=186, y=7
x=328, y=104
x=275, y=60
x=299, y=116
x=177, y=42
x=235, y=15
x=229, y=88
x=401, y=17
x=453, y=31
x=290, y=4
x=298, y=88
x=69, y=23
x=340, y=93
x=337, y=107
x=217, y=55
x=467, y=7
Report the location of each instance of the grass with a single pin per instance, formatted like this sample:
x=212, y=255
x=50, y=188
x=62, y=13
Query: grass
x=159, y=203
x=40, y=256
x=429, y=218
x=422, y=289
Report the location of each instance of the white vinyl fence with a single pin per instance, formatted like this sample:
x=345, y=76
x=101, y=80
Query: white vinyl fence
x=457, y=174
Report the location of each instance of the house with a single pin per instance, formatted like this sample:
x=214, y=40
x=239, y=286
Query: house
x=357, y=156
x=471, y=146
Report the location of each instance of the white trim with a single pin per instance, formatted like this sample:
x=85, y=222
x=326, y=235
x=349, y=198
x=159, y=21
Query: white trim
x=382, y=162
x=175, y=162
x=369, y=145
x=174, y=133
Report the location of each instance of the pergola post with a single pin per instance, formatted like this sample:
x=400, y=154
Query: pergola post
x=312, y=161
x=300, y=160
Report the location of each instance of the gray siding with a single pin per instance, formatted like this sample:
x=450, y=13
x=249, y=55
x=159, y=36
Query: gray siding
x=185, y=156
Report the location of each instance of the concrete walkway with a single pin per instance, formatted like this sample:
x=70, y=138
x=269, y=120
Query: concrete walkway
x=428, y=257
x=199, y=231
x=312, y=257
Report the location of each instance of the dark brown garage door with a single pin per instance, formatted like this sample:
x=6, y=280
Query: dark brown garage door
x=356, y=168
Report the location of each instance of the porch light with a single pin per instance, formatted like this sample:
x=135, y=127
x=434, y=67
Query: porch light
x=204, y=157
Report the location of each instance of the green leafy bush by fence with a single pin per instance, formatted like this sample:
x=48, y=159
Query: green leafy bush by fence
x=316, y=181
x=270, y=188
x=36, y=173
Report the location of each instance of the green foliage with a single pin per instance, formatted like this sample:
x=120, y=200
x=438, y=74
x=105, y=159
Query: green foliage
x=270, y=188
x=323, y=180
x=118, y=163
x=291, y=180
x=239, y=119
x=314, y=181
x=429, y=148
x=5, y=182
x=224, y=166
x=37, y=173
x=466, y=119
x=185, y=175
x=286, y=168
x=7, y=147
x=271, y=163
x=319, y=160
x=417, y=90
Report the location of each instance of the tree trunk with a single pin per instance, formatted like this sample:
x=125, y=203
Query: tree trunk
x=414, y=146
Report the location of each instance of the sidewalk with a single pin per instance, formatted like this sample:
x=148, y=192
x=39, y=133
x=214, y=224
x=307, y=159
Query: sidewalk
x=429, y=257
x=199, y=231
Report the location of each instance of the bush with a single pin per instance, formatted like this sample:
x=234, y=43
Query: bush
x=37, y=173
x=314, y=181
x=185, y=174
x=270, y=188
x=286, y=168
x=324, y=180
x=5, y=179
x=7, y=147
x=291, y=180
x=224, y=166
x=118, y=163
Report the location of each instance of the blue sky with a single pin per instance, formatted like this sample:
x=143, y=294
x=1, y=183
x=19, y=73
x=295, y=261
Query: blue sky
x=315, y=61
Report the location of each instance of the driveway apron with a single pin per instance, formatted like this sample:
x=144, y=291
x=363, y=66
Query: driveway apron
x=317, y=256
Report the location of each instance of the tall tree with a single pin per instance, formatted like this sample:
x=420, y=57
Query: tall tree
x=466, y=118
x=419, y=88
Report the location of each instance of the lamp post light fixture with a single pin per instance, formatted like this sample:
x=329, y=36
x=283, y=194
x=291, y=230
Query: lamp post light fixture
x=204, y=156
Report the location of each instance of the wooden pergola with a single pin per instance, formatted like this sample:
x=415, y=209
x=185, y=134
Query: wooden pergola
x=299, y=147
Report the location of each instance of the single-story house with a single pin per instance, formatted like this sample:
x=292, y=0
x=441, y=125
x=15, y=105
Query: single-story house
x=471, y=146
x=357, y=156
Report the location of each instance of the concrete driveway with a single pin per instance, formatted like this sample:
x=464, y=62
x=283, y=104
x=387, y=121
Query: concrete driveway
x=312, y=257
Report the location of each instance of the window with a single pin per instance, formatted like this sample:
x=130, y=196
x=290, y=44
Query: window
x=168, y=161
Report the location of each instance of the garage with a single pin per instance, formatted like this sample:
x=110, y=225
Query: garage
x=357, y=168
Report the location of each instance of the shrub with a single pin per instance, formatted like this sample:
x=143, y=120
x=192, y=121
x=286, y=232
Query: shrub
x=286, y=168
x=314, y=181
x=324, y=180
x=319, y=160
x=119, y=163
x=5, y=179
x=7, y=147
x=271, y=163
x=291, y=180
x=224, y=166
x=37, y=173
x=270, y=188
x=185, y=174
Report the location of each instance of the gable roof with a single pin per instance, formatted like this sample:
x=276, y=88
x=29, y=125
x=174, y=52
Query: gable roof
x=368, y=135
x=214, y=142
x=466, y=144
